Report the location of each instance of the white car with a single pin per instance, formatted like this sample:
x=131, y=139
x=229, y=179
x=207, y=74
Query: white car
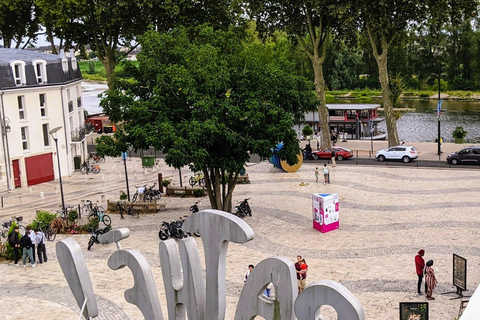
x=404, y=153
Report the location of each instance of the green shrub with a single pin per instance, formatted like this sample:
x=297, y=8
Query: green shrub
x=123, y=196
x=92, y=224
x=459, y=133
x=198, y=193
x=72, y=215
x=307, y=131
x=166, y=183
x=91, y=67
x=44, y=217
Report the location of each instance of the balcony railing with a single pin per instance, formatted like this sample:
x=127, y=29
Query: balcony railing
x=79, y=134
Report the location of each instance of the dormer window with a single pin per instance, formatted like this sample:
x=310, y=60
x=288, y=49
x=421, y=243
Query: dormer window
x=74, y=63
x=40, y=70
x=65, y=64
x=18, y=69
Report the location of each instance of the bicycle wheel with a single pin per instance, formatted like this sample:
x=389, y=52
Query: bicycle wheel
x=51, y=235
x=157, y=195
x=135, y=196
x=102, y=159
x=201, y=182
x=90, y=243
x=196, y=234
x=100, y=209
x=96, y=169
x=162, y=234
x=84, y=170
x=106, y=220
x=135, y=213
x=192, y=181
x=85, y=210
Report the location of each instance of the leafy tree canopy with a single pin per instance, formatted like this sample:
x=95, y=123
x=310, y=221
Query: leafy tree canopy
x=208, y=102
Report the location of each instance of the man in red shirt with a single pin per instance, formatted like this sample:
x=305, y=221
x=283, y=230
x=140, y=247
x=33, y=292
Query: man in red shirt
x=420, y=266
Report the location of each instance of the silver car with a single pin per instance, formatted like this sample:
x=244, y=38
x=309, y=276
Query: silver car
x=404, y=153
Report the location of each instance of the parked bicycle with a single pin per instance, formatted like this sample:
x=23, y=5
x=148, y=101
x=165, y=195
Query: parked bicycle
x=197, y=178
x=123, y=209
x=47, y=230
x=64, y=212
x=138, y=195
x=243, y=209
x=95, y=158
x=5, y=227
x=194, y=207
x=88, y=168
x=174, y=230
x=95, y=234
x=101, y=216
x=89, y=208
x=151, y=194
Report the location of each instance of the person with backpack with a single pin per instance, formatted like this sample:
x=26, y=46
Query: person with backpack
x=26, y=244
x=14, y=240
x=326, y=174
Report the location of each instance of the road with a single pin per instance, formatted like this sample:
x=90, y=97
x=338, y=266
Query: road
x=415, y=163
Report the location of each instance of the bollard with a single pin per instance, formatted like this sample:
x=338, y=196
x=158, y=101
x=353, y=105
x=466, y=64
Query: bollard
x=103, y=177
x=144, y=170
x=2, y=202
x=102, y=198
x=160, y=182
x=42, y=195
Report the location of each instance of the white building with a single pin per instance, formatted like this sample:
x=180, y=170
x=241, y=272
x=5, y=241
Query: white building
x=39, y=92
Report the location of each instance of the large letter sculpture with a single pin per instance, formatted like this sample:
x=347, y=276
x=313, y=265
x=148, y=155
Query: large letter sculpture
x=217, y=229
x=328, y=292
x=70, y=257
x=188, y=294
x=279, y=271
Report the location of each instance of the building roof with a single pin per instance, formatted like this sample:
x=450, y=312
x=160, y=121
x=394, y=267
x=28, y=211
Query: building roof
x=8, y=55
x=358, y=106
x=54, y=70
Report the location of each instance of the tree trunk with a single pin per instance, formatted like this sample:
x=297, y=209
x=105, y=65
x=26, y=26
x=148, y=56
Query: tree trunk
x=319, y=80
x=390, y=117
x=219, y=190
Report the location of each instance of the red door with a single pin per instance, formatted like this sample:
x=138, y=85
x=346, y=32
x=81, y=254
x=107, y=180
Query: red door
x=39, y=169
x=16, y=173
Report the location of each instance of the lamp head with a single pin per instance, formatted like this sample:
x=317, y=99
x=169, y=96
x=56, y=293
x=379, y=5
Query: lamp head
x=53, y=132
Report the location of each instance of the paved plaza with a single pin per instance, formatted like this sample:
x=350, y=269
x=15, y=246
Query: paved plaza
x=386, y=215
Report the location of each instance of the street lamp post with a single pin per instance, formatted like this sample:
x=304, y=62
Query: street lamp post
x=53, y=134
x=124, y=157
x=5, y=124
x=439, y=110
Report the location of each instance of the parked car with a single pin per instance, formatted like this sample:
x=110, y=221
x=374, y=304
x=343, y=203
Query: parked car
x=340, y=153
x=404, y=153
x=465, y=156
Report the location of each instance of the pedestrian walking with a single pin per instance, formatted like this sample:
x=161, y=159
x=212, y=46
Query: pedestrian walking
x=334, y=164
x=420, y=268
x=430, y=279
x=326, y=174
x=298, y=271
x=40, y=243
x=14, y=240
x=26, y=244
x=316, y=174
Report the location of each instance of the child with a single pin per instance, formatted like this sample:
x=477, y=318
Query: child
x=316, y=174
x=250, y=268
x=326, y=174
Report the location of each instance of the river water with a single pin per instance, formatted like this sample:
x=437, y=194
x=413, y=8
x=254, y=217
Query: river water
x=418, y=125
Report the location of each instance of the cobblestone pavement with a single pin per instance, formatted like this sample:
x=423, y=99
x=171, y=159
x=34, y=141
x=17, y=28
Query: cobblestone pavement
x=387, y=215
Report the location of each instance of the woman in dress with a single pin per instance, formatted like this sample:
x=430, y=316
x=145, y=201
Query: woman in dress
x=430, y=279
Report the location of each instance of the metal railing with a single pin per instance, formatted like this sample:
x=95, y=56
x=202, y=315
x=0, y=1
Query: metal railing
x=79, y=134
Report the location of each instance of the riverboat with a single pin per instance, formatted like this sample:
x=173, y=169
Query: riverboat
x=351, y=121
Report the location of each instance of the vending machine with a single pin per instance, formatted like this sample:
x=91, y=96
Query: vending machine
x=325, y=208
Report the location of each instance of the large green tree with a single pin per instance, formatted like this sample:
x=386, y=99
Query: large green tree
x=209, y=103
x=312, y=23
x=18, y=23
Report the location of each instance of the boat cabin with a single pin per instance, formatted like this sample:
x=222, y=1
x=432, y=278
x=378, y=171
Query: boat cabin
x=351, y=121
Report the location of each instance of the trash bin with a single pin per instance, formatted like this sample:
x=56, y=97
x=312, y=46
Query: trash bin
x=148, y=161
x=77, y=162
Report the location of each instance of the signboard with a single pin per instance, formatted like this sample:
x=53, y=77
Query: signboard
x=460, y=272
x=124, y=156
x=338, y=118
x=413, y=310
x=439, y=107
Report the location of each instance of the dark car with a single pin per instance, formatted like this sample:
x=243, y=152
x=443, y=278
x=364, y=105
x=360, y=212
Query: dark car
x=340, y=153
x=465, y=156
